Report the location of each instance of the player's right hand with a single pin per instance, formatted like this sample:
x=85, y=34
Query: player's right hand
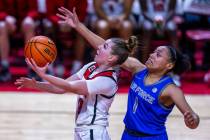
x=68, y=17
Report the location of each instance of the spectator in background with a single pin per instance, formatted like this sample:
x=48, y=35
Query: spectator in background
x=40, y=14
x=113, y=16
x=44, y=15
x=27, y=14
x=7, y=27
x=79, y=42
x=158, y=17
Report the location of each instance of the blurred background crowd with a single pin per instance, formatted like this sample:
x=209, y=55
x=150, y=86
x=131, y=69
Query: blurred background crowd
x=184, y=24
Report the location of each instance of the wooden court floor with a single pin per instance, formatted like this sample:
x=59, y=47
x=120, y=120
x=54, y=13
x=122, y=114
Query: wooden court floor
x=44, y=116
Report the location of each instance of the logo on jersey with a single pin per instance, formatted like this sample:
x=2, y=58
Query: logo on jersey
x=92, y=68
x=142, y=93
x=154, y=90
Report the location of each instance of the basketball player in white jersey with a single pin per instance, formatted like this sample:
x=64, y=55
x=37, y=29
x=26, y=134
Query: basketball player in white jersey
x=95, y=84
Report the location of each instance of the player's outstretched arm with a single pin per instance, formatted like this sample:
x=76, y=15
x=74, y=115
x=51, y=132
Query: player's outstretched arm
x=72, y=20
x=133, y=65
x=76, y=86
x=191, y=119
x=24, y=82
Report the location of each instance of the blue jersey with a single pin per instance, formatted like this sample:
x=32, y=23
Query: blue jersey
x=144, y=112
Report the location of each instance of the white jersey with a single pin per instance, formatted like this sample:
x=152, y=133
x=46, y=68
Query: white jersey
x=93, y=110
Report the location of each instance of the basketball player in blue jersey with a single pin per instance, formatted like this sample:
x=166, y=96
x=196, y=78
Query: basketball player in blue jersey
x=152, y=94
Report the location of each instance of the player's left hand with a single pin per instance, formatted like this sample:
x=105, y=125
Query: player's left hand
x=39, y=70
x=24, y=82
x=191, y=119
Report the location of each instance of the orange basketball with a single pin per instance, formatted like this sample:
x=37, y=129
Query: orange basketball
x=41, y=49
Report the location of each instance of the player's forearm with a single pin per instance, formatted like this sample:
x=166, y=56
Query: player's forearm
x=45, y=86
x=57, y=82
x=132, y=65
x=91, y=37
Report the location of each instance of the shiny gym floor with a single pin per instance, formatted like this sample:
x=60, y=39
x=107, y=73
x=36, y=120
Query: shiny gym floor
x=44, y=116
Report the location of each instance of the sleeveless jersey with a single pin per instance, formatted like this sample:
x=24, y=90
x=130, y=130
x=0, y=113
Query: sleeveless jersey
x=144, y=112
x=93, y=110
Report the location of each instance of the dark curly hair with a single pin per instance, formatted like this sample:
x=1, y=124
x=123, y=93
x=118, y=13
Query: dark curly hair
x=181, y=61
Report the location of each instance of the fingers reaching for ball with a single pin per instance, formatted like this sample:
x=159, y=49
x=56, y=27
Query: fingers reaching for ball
x=39, y=70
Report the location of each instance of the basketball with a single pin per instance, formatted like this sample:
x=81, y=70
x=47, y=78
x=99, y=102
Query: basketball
x=42, y=49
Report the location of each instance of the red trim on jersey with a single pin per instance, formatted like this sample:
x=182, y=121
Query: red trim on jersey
x=79, y=107
x=88, y=72
x=91, y=69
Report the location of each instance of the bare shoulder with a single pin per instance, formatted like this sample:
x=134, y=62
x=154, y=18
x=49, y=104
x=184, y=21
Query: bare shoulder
x=173, y=90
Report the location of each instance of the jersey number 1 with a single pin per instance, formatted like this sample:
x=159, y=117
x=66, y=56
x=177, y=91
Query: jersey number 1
x=135, y=105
